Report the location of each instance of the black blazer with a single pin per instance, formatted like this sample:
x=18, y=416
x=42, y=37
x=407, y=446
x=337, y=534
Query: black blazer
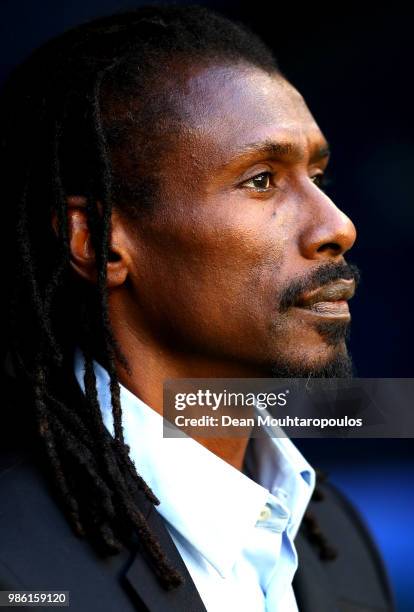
x=39, y=551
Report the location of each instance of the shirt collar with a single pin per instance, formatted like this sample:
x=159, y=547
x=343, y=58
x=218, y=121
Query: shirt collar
x=280, y=467
x=206, y=500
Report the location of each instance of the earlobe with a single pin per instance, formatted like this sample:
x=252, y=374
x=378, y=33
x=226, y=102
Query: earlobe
x=82, y=254
x=117, y=266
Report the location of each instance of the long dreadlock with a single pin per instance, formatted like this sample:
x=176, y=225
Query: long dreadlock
x=63, y=117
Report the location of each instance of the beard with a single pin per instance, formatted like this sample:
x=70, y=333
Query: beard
x=332, y=333
x=339, y=366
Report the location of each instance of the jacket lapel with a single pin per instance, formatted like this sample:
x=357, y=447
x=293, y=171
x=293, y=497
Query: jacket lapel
x=311, y=585
x=144, y=583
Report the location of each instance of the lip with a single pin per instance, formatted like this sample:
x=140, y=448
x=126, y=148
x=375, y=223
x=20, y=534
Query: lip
x=329, y=300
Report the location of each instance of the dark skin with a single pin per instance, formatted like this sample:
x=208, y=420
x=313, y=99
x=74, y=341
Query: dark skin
x=193, y=289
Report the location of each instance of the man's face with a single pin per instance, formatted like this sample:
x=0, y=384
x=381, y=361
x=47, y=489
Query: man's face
x=242, y=236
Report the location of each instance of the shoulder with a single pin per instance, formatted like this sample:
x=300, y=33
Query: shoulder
x=357, y=576
x=38, y=548
x=21, y=482
x=20, y=479
x=29, y=515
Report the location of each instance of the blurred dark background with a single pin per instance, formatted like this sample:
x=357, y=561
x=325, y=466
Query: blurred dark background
x=354, y=66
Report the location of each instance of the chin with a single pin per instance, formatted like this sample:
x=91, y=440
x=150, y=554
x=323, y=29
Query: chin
x=335, y=363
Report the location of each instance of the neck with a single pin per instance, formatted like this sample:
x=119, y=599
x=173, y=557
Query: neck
x=151, y=364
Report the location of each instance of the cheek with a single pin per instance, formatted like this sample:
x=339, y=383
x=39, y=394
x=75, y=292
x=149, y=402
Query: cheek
x=212, y=285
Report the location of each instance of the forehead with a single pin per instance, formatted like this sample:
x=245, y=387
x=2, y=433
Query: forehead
x=224, y=108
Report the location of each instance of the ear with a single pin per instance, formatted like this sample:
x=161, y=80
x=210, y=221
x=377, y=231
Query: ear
x=82, y=254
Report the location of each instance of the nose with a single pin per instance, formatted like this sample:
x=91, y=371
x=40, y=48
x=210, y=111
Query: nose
x=328, y=233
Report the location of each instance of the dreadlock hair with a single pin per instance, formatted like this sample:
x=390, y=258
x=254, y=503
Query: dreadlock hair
x=80, y=117
x=66, y=115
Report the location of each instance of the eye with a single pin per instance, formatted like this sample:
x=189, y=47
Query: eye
x=260, y=182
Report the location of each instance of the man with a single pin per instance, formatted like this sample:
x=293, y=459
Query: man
x=164, y=182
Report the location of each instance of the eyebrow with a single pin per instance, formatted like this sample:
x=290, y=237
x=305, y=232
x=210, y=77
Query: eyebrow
x=277, y=150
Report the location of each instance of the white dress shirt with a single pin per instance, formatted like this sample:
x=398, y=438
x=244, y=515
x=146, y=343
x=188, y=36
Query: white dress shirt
x=234, y=531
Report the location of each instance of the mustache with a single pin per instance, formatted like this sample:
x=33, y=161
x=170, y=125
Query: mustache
x=325, y=274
